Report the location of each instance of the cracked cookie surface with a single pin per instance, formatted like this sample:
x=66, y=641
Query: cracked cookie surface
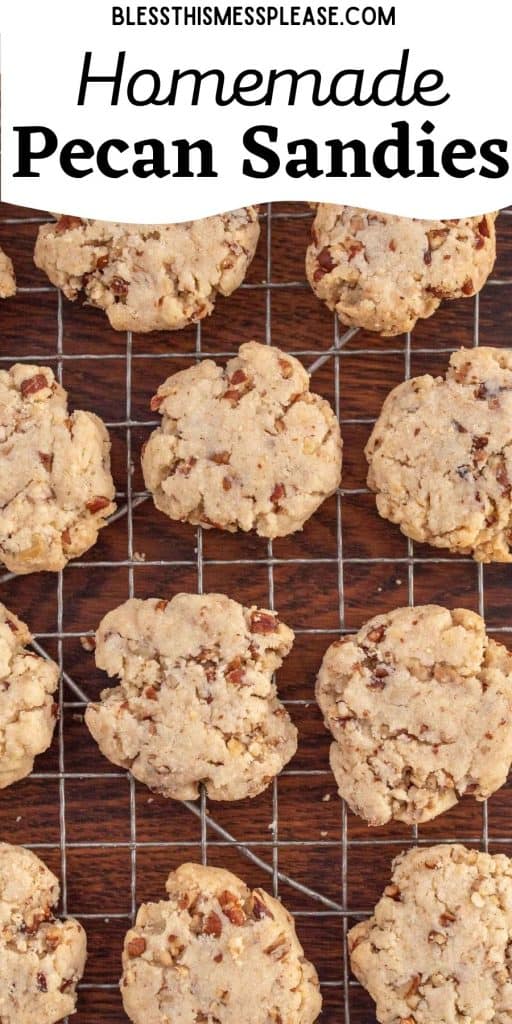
x=383, y=273
x=198, y=955
x=437, y=947
x=419, y=704
x=7, y=279
x=56, y=489
x=440, y=456
x=27, y=709
x=149, y=277
x=41, y=959
x=196, y=701
x=245, y=447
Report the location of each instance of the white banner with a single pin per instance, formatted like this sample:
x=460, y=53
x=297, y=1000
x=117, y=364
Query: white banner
x=164, y=113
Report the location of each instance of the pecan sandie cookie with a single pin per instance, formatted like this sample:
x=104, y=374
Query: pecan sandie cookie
x=56, y=489
x=149, y=277
x=384, y=273
x=242, y=447
x=198, y=956
x=196, y=701
x=440, y=456
x=419, y=704
x=41, y=958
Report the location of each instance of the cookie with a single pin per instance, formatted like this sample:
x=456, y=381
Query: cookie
x=41, y=959
x=243, y=447
x=419, y=703
x=384, y=273
x=216, y=952
x=56, y=490
x=196, y=703
x=7, y=279
x=27, y=709
x=149, y=277
x=440, y=456
x=437, y=947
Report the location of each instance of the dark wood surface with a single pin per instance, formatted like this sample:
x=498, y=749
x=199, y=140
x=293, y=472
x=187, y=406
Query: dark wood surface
x=319, y=847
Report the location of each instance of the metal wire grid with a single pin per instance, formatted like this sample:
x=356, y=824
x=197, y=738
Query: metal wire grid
x=131, y=499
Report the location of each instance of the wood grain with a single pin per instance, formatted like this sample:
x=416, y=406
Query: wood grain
x=310, y=823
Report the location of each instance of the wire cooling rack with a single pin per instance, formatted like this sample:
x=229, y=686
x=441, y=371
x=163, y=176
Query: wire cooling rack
x=111, y=842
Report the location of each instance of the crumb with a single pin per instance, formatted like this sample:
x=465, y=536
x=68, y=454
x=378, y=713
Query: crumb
x=326, y=797
x=324, y=834
x=88, y=643
x=139, y=556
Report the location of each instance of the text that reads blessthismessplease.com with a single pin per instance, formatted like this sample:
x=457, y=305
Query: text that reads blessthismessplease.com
x=249, y=16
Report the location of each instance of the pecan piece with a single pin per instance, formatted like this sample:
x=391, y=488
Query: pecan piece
x=42, y=984
x=212, y=925
x=239, y=377
x=46, y=460
x=325, y=260
x=278, y=493
x=97, y=504
x=33, y=384
x=259, y=908
x=66, y=223
x=377, y=634
x=156, y=402
x=286, y=368
x=231, y=908
x=221, y=458
x=483, y=228
x=263, y=622
x=119, y=287
x=136, y=946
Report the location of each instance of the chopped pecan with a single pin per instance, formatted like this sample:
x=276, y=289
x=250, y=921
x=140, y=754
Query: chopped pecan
x=221, y=458
x=185, y=467
x=263, y=622
x=119, y=287
x=212, y=925
x=97, y=504
x=286, y=368
x=136, y=946
x=231, y=908
x=161, y=606
x=102, y=262
x=483, y=228
x=259, y=908
x=468, y=287
x=227, y=483
x=42, y=984
x=66, y=223
x=447, y=918
x=377, y=634
x=156, y=402
x=354, y=249
x=278, y=493
x=436, y=237
x=33, y=384
x=239, y=377
x=325, y=260
x=46, y=460
x=503, y=480
x=413, y=985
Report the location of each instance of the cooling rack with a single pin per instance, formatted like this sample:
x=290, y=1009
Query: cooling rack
x=112, y=842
